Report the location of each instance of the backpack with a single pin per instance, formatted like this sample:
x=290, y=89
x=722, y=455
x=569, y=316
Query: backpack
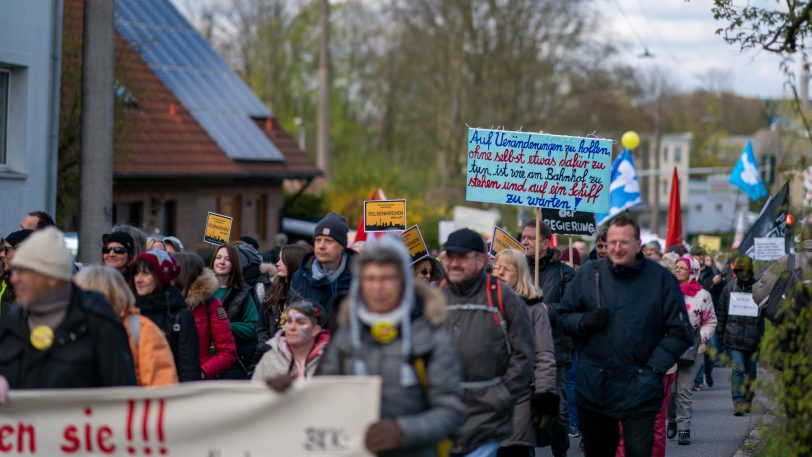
x=785, y=285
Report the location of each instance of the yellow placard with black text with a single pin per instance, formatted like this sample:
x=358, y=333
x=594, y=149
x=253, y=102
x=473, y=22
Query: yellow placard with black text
x=710, y=243
x=413, y=240
x=218, y=228
x=502, y=240
x=384, y=215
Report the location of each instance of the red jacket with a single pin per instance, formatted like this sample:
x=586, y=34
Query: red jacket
x=217, y=348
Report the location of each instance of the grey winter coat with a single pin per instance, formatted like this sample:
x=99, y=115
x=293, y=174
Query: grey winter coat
x=425, y=417
x=542, y=385
x=502, y=356
x=554, y=277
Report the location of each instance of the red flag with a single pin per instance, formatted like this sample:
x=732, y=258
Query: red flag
x=360, y=234
x=674, y=235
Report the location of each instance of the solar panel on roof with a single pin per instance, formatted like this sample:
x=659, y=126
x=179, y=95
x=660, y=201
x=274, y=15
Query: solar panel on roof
x=212, y=92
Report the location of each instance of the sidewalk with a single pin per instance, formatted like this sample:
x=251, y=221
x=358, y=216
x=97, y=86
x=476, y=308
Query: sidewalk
x=715, y=432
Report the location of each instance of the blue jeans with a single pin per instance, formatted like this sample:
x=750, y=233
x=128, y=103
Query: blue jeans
x=570, y=384
x=743, y=375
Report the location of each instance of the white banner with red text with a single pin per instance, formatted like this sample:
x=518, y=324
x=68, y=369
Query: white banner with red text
x=321, y=417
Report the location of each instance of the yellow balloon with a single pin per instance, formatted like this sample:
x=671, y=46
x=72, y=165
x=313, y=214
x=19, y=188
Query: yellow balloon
x=630, y=140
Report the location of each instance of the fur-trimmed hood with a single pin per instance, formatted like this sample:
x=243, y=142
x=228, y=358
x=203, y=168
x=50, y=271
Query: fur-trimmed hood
x=202, y=289
x=434, y=305
x=268, y=269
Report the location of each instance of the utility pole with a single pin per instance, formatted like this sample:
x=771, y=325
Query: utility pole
x=655, y=159
x=322, y=141
x=96, y=195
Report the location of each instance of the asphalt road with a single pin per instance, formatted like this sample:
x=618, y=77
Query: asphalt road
x=715, y=431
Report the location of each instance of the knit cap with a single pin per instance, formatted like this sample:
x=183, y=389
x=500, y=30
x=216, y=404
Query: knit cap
x=15, y=238
x=335, y=226
x=163, y=265
x=125, y=239
x=45, y=253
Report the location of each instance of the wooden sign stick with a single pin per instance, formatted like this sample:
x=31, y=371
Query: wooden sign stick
x=538, y=235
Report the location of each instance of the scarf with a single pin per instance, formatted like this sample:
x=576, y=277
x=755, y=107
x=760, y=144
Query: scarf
x=318, y=271
x=50, y=308
x=692, y=287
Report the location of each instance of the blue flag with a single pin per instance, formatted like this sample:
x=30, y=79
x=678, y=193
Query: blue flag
x=745, y=175
x=624, y=191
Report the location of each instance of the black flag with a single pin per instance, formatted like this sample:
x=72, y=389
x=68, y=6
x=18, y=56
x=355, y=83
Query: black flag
x=771, y=223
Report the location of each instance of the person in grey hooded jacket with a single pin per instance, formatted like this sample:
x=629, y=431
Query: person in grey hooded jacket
x=391, y=326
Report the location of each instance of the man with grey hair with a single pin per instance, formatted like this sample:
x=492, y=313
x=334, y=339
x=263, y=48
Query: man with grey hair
x=60, y=336
x=491, y=329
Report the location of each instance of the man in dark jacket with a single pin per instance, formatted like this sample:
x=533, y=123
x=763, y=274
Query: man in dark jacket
x=740, y=326
x=630, y=315
x=324, y=276
x=494, y=340
x=59, y=336
x=554, y=276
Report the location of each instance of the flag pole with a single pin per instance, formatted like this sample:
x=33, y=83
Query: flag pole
x=538, y=235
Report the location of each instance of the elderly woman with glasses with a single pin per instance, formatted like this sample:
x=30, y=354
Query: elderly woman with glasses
x=537, y=408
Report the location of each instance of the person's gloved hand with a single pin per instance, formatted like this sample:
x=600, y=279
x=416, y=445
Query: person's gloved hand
x=280, y=383
x=544, y=408
x=594, y=321
x=383, y=436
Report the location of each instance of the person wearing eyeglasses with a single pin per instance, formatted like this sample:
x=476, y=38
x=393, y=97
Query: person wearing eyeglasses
x=538, y=406
x=118, y=252
x=492, y=334
x=629, y=316
x=554, y=278
x=428, y=269
x=8, y=247
x=391, y=325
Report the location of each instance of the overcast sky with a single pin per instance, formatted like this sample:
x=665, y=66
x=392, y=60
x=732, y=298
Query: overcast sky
x=681, y=36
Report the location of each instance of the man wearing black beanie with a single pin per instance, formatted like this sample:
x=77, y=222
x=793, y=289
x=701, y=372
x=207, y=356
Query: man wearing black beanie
x=324, y=276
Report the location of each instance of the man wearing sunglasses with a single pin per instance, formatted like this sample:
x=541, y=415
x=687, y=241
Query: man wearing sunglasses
x=8, y=247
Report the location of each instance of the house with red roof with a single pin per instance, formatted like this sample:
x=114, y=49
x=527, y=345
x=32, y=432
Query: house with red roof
x=191, y=136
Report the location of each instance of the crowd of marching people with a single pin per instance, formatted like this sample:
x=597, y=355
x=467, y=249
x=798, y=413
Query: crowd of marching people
x=479, y=355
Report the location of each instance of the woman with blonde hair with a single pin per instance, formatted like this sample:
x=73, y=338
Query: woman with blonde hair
x=154, y=364
x=539, y=406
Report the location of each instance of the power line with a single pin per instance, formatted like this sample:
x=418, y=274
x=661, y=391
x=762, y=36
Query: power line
x=631, y=26
x=654, y=29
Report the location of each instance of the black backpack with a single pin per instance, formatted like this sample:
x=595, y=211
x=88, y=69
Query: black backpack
x=785, y=286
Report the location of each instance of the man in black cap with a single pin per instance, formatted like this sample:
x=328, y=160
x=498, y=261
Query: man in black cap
x=324, y=276
x=491, y=331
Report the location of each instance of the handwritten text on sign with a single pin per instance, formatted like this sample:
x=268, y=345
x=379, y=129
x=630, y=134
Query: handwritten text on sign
x=179, y=421
x=545, y=171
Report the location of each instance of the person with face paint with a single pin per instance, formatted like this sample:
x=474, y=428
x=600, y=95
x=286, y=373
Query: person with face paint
x=296, y=349
x=741, y=336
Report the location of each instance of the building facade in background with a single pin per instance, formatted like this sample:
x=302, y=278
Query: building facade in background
x=30, y=53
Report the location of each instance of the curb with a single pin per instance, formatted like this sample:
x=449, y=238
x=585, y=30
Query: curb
x=754, y=440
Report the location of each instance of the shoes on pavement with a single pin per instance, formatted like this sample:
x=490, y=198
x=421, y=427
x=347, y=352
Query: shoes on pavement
x=738, y=408
x=748, y=407
x=697, y=388
x=684, y=437
x=574, y=433
x=671, y=430
x=709, y=379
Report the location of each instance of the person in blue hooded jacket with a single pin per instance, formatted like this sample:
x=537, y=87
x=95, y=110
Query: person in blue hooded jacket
x=628, y=315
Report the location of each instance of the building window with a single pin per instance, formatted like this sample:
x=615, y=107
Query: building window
x=677, y=154
x=698, y=208
x=666, y=185
x=665, y=152
x=4, y=95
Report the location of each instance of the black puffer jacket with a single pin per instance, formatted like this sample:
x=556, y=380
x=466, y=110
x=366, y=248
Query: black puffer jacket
x=620, y=370
x=554, y=276
x=168, y=310
x=90, y=348
x=738, y=332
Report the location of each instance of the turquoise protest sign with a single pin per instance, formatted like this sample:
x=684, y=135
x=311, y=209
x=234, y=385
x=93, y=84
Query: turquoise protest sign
x=538, y=170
